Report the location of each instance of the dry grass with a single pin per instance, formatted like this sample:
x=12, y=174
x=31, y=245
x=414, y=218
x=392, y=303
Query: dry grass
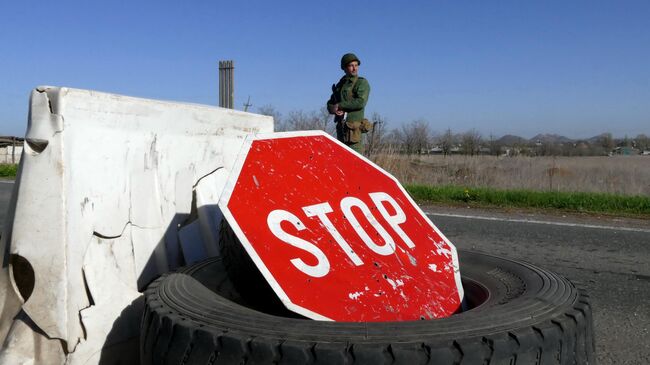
x=624, y=175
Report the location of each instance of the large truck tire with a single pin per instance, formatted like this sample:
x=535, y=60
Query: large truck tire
x=516, y=314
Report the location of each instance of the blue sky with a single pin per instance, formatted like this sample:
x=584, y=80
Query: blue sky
x=577, y=68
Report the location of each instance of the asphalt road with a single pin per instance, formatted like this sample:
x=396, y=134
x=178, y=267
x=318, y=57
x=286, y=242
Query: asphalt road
x=609, y=257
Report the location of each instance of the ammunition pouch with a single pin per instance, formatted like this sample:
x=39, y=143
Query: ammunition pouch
x=352, y=132
x=366, y=126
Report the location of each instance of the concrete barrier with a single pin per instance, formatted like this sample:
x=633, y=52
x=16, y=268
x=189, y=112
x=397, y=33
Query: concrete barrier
x=111, y=192
x=10, y=154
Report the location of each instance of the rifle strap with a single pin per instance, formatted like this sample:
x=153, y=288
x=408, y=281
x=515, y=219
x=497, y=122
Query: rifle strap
x=354, y=81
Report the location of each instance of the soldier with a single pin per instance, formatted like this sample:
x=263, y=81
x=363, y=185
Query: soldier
x=348, y=102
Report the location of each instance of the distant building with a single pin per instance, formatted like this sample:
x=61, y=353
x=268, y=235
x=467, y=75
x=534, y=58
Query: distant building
x=484, y=151
x=435, y=150
x=11, y=148
x=626, y=151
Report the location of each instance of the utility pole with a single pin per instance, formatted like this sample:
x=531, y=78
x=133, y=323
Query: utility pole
x=247, y=104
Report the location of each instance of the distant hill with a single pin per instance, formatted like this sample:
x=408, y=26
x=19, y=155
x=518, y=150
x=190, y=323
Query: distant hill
x=511, y=140
x=550, y=138
x=597, y=139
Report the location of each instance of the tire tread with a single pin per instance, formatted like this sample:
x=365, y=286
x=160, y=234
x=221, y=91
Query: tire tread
x=173, y=335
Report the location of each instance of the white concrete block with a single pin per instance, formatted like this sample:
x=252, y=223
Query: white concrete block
x=106, y=182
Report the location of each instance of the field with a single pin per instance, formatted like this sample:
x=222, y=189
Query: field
x=621, y=175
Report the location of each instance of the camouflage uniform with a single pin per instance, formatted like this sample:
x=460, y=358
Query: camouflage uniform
x=351, y=95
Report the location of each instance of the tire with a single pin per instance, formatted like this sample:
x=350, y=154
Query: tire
x=518, y=314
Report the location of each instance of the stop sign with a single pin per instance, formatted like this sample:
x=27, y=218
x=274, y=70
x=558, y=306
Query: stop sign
x=335, y=236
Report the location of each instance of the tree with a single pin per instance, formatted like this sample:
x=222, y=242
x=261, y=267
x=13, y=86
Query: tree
x=606, y=141
x=375, y=137
x=626, y=142
x=495, y=146
x=642, y=142
x=471, y=142
x=299, y=120
x=447, y=142
x=271, y=112
x=326, y=120
x=415, y=136
x=549, y=148
x=393, y=139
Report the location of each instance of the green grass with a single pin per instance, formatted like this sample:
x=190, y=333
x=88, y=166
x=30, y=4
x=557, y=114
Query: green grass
x=8, y=170
x=570, y=201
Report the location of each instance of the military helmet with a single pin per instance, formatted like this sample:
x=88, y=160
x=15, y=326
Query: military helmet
x=347, y=58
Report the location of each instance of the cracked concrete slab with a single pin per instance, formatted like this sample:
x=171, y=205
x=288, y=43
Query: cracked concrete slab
x=105, y=183
x=208, y=191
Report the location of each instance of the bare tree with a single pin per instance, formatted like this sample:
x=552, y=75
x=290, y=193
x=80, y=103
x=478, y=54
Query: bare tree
x=548, y=148
x=376, y=137
x=626, y=142
x=270, y=111
x=494, y=146
x=323, y=120
x=642, y=142
x=471, y=142
x=607, y=141
x=393, y=139
x=299, y=120
x=447, y=142
x=416, y=136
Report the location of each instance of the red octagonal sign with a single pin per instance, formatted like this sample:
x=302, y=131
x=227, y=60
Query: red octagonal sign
x=337, y=237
